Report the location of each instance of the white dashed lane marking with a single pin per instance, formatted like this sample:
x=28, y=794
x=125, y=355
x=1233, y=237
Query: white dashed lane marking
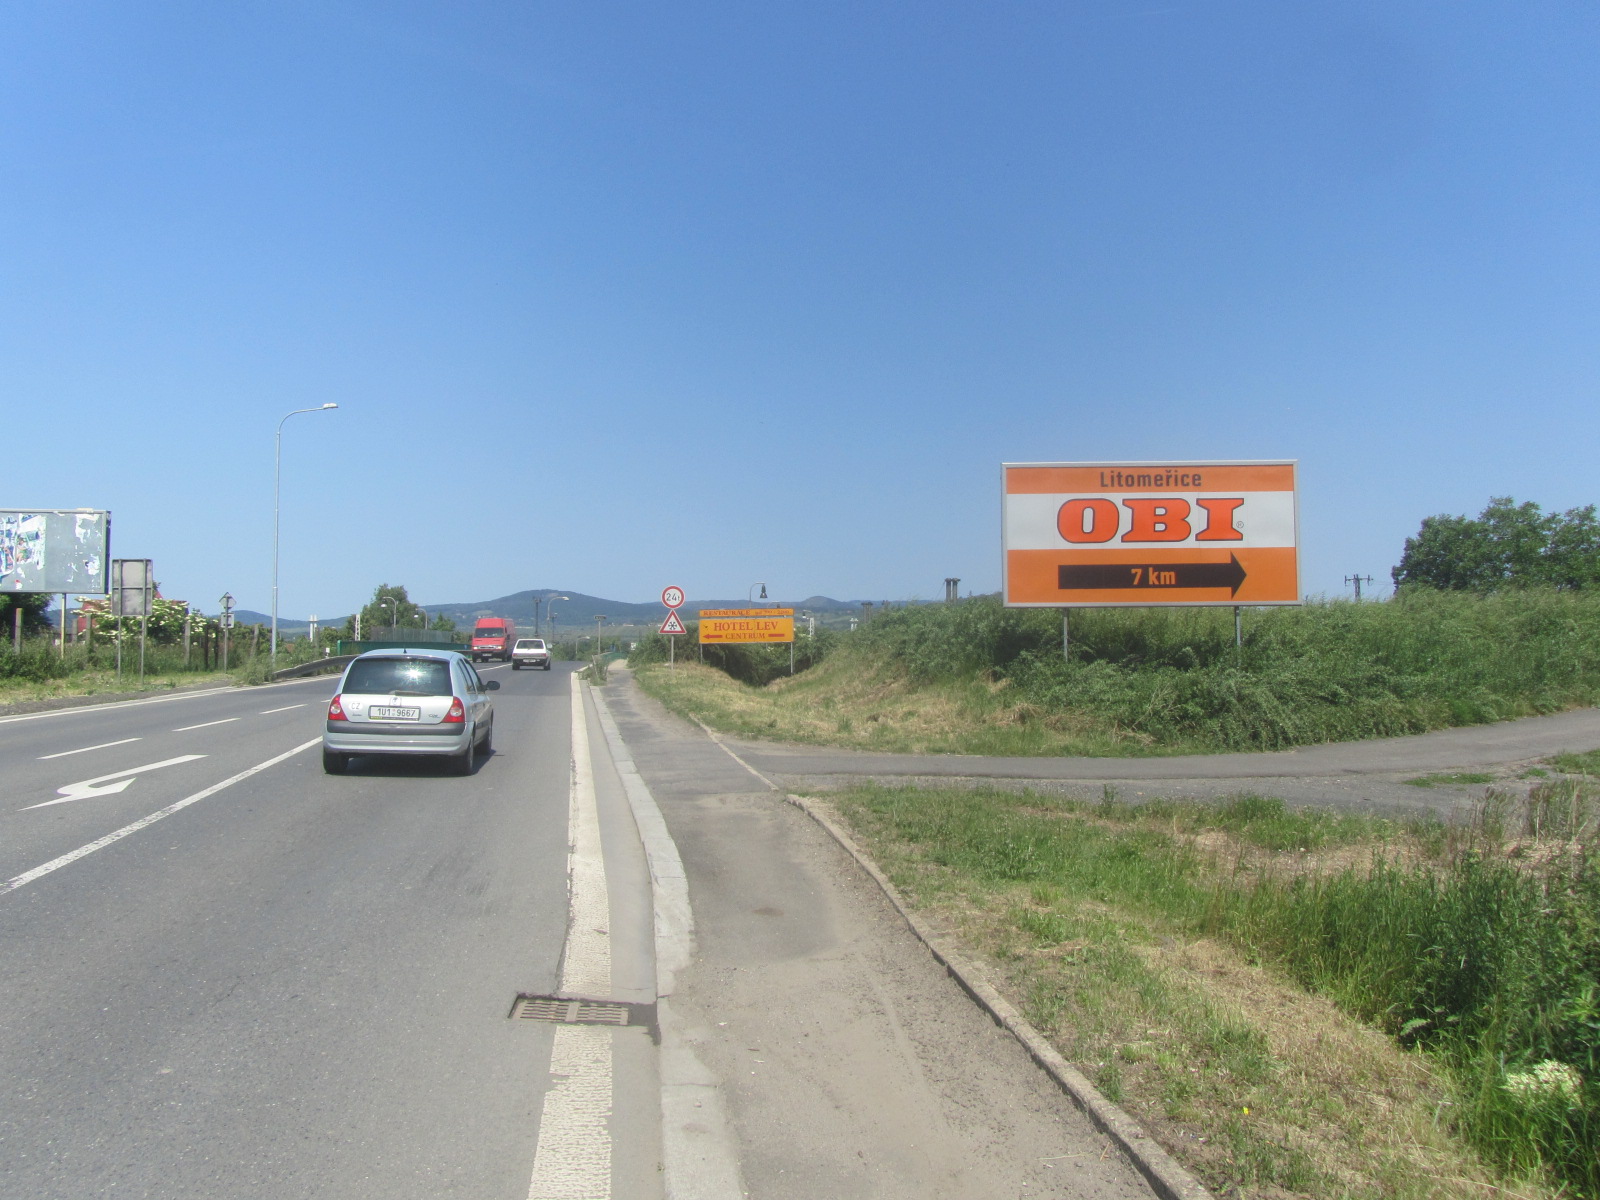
x=86, y=749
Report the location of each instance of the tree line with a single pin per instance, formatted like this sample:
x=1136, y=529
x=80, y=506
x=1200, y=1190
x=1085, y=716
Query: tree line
x=1506, y=545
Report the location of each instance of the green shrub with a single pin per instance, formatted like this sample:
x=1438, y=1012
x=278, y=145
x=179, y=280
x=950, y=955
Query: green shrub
x=1331, y=670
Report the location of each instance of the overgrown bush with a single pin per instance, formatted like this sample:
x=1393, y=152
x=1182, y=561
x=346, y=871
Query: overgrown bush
x=1328, y=671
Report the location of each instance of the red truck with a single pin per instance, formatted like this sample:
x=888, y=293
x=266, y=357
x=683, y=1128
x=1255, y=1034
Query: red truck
x=492, y=637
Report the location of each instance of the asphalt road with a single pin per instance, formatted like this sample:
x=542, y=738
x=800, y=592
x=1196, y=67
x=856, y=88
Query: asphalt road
x=297, y=985
x=1369, y=775
x=227, y=974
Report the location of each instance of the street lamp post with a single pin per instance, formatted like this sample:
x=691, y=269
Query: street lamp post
x=394, y=612
x=538, y=600
x=277, y=475
x=550, y=613
x=750, y=595
x=599, y=620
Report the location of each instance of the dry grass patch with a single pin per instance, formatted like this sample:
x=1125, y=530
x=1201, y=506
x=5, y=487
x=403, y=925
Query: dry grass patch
x=874, y=705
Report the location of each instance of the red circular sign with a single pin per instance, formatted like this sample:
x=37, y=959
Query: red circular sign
x=672, y=597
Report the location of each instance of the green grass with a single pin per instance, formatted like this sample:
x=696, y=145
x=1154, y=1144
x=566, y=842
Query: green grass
x=1148, y=681
x=1587, y=763
x=1479, y=947
x=1443, y=779
x=41, y=672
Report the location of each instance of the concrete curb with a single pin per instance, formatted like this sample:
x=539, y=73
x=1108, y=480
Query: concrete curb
x=1170, y=1180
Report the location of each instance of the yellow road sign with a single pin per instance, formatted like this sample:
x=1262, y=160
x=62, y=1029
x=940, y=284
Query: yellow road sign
x=764, y=628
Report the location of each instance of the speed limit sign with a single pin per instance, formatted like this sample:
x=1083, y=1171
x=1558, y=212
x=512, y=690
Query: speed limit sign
x=672, y=597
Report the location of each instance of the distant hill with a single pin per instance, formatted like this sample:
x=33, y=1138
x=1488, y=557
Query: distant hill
x=577, y=610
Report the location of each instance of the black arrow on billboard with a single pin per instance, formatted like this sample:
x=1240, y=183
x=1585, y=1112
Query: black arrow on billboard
x=1105, y=577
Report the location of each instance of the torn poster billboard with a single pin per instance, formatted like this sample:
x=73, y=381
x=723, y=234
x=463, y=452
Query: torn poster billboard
x=55, y=550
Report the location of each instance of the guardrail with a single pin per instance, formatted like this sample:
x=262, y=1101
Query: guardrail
x=315, y=667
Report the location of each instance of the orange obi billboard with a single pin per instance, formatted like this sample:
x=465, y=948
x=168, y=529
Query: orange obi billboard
x=1101, y=535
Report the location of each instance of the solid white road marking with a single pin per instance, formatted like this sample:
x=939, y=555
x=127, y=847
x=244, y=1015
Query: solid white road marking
x=586, y=966
x=205, y=725
x=86, y=749
x=86, y=788
x=285, y=708
x=55, y=864
x=573, y=1159
x=98, y=708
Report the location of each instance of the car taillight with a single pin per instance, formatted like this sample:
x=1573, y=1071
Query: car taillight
x=457, y=713
x=336, y=710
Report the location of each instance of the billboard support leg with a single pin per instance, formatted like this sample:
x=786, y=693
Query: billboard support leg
x=1238, y=629
x=63, y=626
x=1066, y=640
x=16, y=625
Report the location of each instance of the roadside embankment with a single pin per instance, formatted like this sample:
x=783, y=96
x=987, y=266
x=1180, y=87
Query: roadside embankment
x=977, y=678
x=1295, y=1003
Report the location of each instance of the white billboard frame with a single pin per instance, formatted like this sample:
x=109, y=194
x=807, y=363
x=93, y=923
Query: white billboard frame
x=55, y=551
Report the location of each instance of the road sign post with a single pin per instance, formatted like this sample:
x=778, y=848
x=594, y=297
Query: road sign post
x=672, y=599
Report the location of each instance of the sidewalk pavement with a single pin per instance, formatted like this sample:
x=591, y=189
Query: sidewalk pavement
x=851, y=1064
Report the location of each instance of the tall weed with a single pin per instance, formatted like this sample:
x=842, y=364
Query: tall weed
x=1328, y=671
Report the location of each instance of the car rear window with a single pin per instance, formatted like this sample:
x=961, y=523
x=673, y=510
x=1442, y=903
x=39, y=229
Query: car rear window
x=383, y=676
x=530, y=644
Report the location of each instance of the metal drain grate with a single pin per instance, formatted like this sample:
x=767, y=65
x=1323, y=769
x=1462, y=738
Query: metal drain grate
x=565, y=1010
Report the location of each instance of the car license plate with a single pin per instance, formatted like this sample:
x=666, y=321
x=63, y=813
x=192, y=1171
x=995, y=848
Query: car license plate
x=379, y=712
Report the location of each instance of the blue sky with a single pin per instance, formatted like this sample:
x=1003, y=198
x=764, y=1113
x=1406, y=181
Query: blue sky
x=615, y=295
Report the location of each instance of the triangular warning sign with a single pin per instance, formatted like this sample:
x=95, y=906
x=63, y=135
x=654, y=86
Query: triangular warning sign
x=672, y=624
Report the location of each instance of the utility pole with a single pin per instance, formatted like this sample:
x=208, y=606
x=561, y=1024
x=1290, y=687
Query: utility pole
x=1358, y=580
x=227, y=625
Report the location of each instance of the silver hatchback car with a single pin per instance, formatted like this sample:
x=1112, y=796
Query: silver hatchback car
x=409, y=702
